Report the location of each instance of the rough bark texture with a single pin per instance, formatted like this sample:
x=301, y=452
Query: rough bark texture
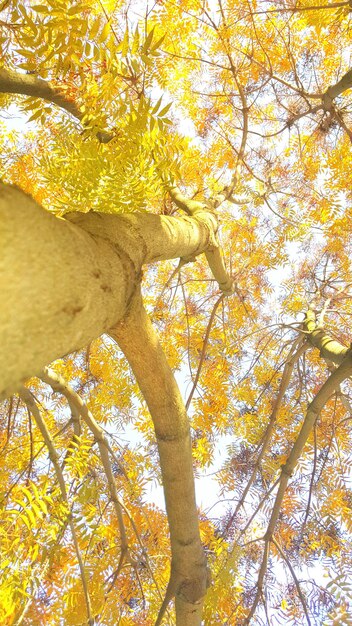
x=139, y=342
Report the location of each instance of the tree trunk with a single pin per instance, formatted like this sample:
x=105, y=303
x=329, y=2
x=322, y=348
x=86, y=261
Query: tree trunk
x=64, y=282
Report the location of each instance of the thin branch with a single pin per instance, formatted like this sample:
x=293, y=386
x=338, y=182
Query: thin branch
x=296, y=352
x=296, y=581
x=331, y=384
x=298, y=9
x=28, y=399
x=204, y=347
x=260, y=582
x=311, y=484
x=76, y=404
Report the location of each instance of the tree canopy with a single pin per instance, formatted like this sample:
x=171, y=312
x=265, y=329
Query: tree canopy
x=137, y=136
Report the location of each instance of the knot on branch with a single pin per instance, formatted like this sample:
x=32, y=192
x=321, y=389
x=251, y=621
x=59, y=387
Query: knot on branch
x=288, y=471
x=193, y=590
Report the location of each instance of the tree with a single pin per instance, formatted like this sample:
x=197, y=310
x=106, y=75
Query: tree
x=164, y=131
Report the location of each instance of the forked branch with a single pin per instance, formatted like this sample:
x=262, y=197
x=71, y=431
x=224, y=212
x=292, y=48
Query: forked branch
x=213, y=254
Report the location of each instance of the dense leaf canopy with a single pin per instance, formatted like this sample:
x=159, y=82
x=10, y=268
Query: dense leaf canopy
x=245, y=107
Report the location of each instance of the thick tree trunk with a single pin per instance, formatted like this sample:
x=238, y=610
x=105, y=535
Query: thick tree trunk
x=64, y=282
x=59, y=287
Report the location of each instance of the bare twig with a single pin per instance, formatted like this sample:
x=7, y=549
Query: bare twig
x=204, y=347
x=296, y=581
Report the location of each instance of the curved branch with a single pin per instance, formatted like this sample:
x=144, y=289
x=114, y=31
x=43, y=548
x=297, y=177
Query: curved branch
x=28, y=399
x=331, y=384
x=188, y=580
x=77, y=405
x=296, y=352
x=295, y=579
x=202, y=356
x=29, y=85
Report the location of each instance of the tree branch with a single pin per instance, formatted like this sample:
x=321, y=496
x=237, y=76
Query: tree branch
x=336, y=90
x=331, y=384
x=329, y=348
x=296, y=352
x=213, y=253
x=28, y=399
x=296, y=581
x=29, y=85
x=76, y=404
x=204, y=347
x=188, y=580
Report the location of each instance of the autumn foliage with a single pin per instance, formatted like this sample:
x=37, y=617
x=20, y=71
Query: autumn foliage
x=240, y=110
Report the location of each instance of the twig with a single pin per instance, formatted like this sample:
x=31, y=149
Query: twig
x=296, y=581
x=204, y=347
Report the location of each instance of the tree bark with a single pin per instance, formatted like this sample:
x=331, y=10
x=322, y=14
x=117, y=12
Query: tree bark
x=64, y=282
x=139, y=342
x=336, y=90
x=28, y=85
x=329, y=348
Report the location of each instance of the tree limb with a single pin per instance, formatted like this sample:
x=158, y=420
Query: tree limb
x=331, y=384
x=29, y=85
x=329, y=348
x=28, y=399
x=296, y=352
x=336, y=90
x=188, y=580
x=58, y=384
x=213, y=253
